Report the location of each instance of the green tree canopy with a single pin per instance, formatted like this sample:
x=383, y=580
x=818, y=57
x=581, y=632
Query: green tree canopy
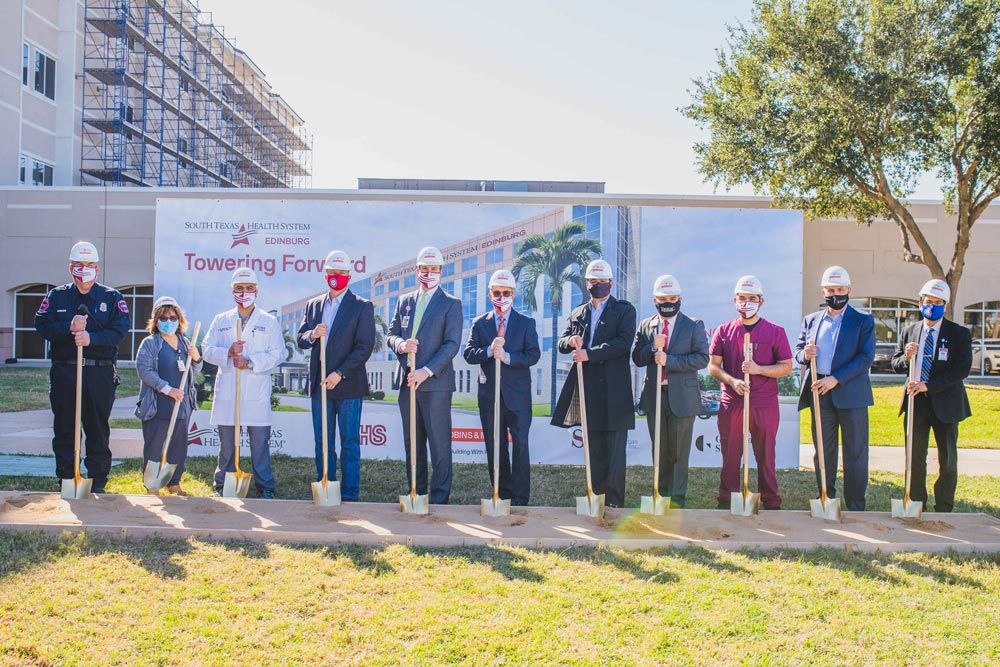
x=840, y=107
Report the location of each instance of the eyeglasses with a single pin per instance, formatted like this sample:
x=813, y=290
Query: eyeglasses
x=168, y=318
x=498, y=293
x=249, y=289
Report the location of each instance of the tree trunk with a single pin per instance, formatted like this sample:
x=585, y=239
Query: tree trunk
x=554, y=351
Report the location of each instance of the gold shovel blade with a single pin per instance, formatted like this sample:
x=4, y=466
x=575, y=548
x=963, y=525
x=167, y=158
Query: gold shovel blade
x=829, y=510
x=655, y=505
x=906, y=508
x=414, y=504
x=590, y=505
x=76, y=489
x=236, y=485
x=488, y=508
x=747, y=505
x=156, y=476
x=326, y=495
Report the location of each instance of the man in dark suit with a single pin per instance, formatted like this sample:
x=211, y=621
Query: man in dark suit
x=348, y=322
x=673, y=347
x=428, y=322
x=599, y=333
x=943, y=353
x=506, y=334
x=842, y=340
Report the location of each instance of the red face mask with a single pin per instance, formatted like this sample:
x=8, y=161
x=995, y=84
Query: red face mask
x=337, y=282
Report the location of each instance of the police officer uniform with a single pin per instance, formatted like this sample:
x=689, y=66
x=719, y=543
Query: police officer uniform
x=107, y=323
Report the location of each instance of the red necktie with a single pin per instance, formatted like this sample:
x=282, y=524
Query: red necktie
x=502, y=328
x=666, y=340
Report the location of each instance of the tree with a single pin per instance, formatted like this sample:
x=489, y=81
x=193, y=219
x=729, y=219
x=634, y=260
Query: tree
x=558, y=260
x=380, y=330
x=840, y=107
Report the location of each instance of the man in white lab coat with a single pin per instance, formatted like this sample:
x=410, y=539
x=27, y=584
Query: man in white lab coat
x=257, y=354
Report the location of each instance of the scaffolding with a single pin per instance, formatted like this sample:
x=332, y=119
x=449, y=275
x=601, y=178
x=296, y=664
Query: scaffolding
x=168, y=100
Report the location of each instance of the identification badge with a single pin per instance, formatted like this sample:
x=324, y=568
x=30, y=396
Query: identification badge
x=482, y=376
x=180, y=364
x=942, y=354
x=103, y=308
x=406, y=321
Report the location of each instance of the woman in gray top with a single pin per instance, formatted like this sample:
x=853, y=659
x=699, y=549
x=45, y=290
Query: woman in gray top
x=160, y=364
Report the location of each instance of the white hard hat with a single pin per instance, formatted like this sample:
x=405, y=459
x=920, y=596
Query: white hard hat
x=84, y=251
x=337, y=260
x=599, y=269
x=243, y=275
x=503, y=278
x=666, y=285
x=165, y=301
x=430, y=256
x=936, y=288
x=835, y=276
x=749, y=285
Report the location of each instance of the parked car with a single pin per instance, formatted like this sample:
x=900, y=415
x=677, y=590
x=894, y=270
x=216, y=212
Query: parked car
x=883, y=358
x=986, y=355
x=710, y=404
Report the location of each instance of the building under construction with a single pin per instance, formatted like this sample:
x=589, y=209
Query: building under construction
x=160, y=97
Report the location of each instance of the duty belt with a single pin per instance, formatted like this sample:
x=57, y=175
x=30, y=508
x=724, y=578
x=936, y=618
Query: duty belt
x=86, y=362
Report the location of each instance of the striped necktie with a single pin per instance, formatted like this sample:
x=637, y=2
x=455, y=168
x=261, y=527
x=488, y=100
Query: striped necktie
x=666, y=341
x=925, y=363
x=419, y=314
x=502, y=329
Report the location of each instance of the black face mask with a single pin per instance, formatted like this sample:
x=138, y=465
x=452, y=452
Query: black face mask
x=838, y=301
x=667, y=309
x=599, y=290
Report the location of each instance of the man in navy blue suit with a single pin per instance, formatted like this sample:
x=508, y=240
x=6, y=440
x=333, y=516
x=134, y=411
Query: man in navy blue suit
x=942, y=351
x=842, y=340
x=348, y=322
x=428, y=323
x=505, y=334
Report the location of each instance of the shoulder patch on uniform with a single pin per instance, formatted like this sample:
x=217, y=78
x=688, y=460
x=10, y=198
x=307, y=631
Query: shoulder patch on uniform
x=122, y=306
x=45, y=305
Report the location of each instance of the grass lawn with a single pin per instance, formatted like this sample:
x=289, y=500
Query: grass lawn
x=28, y=388
x=101, y=601
x=886, y=427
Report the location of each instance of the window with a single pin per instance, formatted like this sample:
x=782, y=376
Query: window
x=22, y=168
x=45, y=75
x=393, y=285
x=448, y=270
x=363, y=288
x=891, y=316
x=28, y=343
x=470, y=263
x=470, y=299
x=25, y=60
x=380, y=289
x=410, y=280
x=41, y=173
x=140, y=308
x=182, y=145
x=538, y=382
x=590, y=216
x=494, y=256
x=983, y=320
x=547, y=344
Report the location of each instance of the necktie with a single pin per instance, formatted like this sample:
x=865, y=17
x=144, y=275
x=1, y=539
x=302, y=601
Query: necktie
x=666, y=341
x=419, y=314
x=502, y=328
x=925, y=363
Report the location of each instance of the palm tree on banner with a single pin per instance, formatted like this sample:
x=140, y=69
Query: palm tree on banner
x=560, y=260
x=380, y=330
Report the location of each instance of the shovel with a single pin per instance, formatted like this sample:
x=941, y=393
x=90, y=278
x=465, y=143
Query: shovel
x=495, y=506
x=656, y=504
x=822, y=507
x=158, y=473
x=77, y=488
x=325, y=492
x=237, y=483
x=412, y=503
x=745, y=503
x=906, y=508
x=591, y=504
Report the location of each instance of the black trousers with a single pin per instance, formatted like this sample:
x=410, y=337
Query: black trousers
x=607, y=464
x=851, y=424
x=515, y=465
x=946, y=437
x=675, y=449
x=96, y=400
x=433, y=432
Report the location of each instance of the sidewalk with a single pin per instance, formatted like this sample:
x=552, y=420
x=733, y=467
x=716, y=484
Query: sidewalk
x=31, y=433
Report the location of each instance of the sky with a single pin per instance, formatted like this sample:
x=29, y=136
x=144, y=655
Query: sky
x=514, y=90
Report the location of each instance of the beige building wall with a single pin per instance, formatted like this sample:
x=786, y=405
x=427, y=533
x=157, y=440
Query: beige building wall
x=38, y=226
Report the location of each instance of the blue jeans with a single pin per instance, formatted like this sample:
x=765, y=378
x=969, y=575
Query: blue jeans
x=345, y=413
x=260, y=456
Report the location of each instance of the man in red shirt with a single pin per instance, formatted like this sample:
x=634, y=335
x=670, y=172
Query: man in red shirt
x=772, y=359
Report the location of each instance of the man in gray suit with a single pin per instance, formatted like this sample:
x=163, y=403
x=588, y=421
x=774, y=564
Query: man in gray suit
x=428, y=322
x=673, y=347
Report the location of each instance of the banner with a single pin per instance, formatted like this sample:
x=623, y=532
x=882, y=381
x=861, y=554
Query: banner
x=200, y=242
